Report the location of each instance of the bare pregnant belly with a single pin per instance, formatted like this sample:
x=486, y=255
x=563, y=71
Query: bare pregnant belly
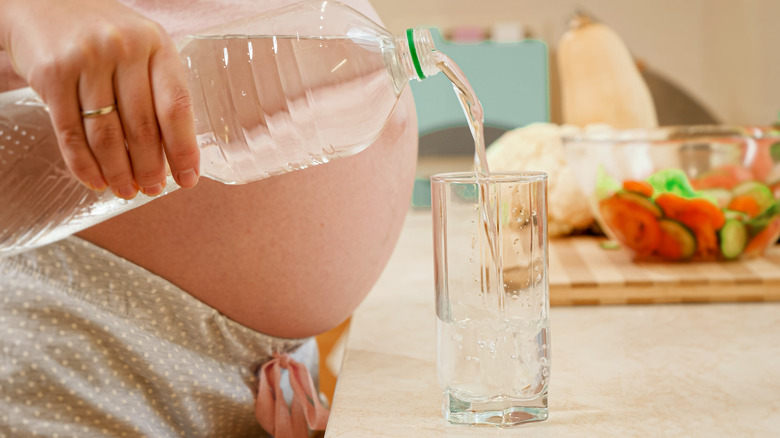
x=290, y=256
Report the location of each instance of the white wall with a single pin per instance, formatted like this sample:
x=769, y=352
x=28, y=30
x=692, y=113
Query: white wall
x=726, y=53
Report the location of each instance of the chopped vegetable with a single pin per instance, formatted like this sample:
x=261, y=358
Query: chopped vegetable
x=758, y=223
x=759, y=192
x=715, y=180
x=641, y=187
x=745, y=204
x=738, y=215
x=775, y=188
x=690, y=210
x=677, y=241
x=641, y=201
x=724, y=177
x=665, y=217
x=605, y=184
x=721, y=197
x=671, y=181
x=733, y=239
x=764, y=238
x=634, y=226
x=700, y=215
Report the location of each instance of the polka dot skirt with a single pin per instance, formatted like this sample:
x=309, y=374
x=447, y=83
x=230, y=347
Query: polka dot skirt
x=92, y=345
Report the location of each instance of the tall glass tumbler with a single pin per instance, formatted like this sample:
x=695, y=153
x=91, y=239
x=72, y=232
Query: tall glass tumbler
x=492, y=296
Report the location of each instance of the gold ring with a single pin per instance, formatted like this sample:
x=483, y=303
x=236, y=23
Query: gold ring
x=99, y=112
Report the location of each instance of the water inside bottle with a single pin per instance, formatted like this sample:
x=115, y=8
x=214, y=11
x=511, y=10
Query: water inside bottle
x=289, y=100
x=41, y=200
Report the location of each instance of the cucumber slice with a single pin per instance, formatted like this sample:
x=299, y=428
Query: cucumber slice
x=641, y=200
x=721, y=197
x=774, y=152
x=756, y=190
x=680, y=243
x=758, y=223
x=733, y=238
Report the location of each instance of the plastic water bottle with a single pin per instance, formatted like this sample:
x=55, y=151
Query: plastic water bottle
x=274, y=93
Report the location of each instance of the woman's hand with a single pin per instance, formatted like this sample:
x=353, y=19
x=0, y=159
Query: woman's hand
x=85, y=55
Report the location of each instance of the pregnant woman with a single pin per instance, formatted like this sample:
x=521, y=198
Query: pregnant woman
x=158, y=322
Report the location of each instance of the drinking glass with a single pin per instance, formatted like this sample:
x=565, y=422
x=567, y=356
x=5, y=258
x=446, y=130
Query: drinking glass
x=492, y=296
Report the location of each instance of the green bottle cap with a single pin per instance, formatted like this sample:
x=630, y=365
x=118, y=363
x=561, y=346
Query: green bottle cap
x=413, y=52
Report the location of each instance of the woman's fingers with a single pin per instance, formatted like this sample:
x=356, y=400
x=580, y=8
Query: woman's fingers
x=63, y=102
x=104, y=132
x=175, y=115
x=136, y=111
x=85, y=56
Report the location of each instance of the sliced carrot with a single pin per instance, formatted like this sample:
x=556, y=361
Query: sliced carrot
x=746, y=204
x=715, y=180
x=677, y=207
x=671, y=204
x=641, y=187
x=635, y=227
x=706, y=236
x=740, y=172
x=712, y=211
x=724, y=177
x=763, y=239
x=668, y=247
x=700, y=215
x=707, y=242
x=677, y=241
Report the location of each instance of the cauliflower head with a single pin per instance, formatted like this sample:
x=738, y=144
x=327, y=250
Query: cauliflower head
x=539, y=147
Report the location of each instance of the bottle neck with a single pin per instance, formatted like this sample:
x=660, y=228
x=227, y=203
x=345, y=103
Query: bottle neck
x=417, y=53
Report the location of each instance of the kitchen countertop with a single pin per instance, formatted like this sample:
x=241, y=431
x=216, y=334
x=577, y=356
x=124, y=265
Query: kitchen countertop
x=617, y=370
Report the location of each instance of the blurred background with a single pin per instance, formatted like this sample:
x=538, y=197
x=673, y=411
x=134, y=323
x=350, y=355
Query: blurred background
x=722, y=54
x=702, y=61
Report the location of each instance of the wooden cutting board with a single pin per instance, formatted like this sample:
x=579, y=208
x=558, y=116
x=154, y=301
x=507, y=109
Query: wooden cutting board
x=584, y=273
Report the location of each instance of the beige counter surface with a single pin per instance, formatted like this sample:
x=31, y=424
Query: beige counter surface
x=682, y=370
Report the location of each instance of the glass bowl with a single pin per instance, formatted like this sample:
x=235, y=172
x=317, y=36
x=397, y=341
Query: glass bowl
x=688, y=193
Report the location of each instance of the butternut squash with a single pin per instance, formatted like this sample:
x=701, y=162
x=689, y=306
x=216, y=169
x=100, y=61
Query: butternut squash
x=599, y=79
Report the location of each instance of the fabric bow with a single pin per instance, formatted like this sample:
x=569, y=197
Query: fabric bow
x=271, y=409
